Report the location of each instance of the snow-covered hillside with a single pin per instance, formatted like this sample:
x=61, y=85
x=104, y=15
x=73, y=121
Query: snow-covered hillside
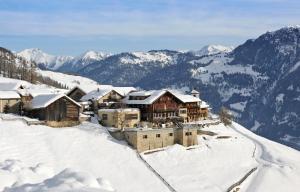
x=70, y=80
x=86, y=158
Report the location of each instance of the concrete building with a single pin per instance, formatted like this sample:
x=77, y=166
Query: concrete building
x=120, y=118
x=147, y=139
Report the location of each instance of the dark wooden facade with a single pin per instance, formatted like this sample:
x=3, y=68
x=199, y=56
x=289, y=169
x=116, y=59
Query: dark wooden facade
x=166, y=108
x=62, y=109
x=76, y=94
x=163, y=109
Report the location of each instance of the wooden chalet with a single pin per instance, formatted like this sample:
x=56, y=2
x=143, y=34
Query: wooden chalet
x=161, y=106
x=76, y=93
x=54, y=108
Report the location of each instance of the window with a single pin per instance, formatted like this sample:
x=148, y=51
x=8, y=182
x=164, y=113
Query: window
x=131, y=116
x=188, y=133
x=104, y=116
x=171, y=134
x=157, y=135
x=182, y=111
x=145, y=136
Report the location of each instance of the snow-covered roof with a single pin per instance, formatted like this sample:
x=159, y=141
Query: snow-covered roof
x=10, y=86
x=153, y=95
x=42, y=101
x=96, y=94
x=194, y=91
x=104, y=90
x=184, y=97
x=124, y=90
x=119, y=110
x=204, y=105
x=9, y=95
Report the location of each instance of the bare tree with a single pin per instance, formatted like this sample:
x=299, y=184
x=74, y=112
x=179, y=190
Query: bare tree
x=225, y=116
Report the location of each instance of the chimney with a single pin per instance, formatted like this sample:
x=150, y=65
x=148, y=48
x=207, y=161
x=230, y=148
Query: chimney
x=195, y=93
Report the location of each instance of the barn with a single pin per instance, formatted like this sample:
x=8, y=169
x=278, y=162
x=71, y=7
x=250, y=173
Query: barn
x=55, y=109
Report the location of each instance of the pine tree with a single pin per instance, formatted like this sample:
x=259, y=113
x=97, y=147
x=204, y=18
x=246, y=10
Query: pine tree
x=6, y=108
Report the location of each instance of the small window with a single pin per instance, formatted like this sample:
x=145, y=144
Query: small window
x=104, y=116
x=171, y=134
x=188, y=133
x=157, y=135
x=145, y=136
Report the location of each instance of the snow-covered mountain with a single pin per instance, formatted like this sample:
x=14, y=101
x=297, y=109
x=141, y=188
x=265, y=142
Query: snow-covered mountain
x=61, y=63
x=44, y=60
x=83, y=60
x=213, y=49
x=258, y=80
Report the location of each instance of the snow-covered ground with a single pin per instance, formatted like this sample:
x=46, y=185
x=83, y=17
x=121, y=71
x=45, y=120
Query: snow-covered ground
x=216, y=164
x=83, y=158
x=86, y=158
x=70, y=80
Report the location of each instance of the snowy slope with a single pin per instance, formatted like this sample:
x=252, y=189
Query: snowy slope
x=216, y=164
x=70, y=80
x=82, y=158
x=86, y=158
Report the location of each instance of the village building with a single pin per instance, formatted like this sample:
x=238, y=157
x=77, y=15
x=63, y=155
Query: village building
x=76, y=93
x=55, y=109
x=107, y=97
x=120, y=118
x=165, y=106
x=9, y=102
x=143, y=139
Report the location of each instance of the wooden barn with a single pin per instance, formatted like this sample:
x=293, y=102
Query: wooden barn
x=55, y=108
x=76, y=93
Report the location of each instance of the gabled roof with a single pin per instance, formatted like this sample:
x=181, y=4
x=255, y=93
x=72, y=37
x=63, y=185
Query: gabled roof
x=124, y=90
x=77, y=87
x=96, y=94
x=153, y=95
x=42, y=101
x=101, y=92
x=10, y=86
x=9, y=95
x=184, y=97
x=194, y=91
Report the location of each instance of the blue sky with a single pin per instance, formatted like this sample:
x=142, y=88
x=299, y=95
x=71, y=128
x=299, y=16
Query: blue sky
x=69, y=27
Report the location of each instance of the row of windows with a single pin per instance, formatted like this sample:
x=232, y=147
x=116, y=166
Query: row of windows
x=170, y=114
x=157, y=135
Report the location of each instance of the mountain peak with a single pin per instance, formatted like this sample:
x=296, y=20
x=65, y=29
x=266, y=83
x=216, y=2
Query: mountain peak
x=213, y=49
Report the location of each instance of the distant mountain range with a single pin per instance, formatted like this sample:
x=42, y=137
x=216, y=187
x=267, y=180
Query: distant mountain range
x=258, y=80
x=61, y=63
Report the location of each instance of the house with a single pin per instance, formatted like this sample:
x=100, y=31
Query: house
x=163, y=106
x=76, y=93
x=120, y=118
x=9, y=102
x=55, y=109
x=143, y=139
x=156, y=106
x=106, y=97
